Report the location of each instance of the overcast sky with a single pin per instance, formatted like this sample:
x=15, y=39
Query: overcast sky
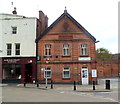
x=99, y=17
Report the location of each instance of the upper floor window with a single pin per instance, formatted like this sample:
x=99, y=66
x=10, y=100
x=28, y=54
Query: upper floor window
x=66, y=50
x=9, y=49
x=84, y=51
x=47, y=50
x=14, y=30
x=17, y=49
x=66, y=72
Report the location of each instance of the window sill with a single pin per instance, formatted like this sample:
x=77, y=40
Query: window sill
x=66, y=56
x=65, y=78
x=47, y=78
x=47, y=56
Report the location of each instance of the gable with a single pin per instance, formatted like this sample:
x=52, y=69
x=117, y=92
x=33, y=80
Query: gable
x=66, y=24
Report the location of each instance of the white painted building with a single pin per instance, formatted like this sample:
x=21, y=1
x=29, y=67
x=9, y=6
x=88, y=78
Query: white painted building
x=18, y=47
x=17, y=30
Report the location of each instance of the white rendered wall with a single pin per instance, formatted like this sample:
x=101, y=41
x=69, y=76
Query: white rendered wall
x=26, y=35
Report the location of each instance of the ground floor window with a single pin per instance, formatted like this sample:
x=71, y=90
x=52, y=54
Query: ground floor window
x=11, y=71
x=66, y=72
x=47, y=72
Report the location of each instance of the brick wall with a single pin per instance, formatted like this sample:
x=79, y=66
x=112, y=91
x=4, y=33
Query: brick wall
x=74, y=36
x=107, y=68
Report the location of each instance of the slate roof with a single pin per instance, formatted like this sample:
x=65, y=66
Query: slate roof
x=71, y=18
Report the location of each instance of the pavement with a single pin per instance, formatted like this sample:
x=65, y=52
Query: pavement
x=59, y=93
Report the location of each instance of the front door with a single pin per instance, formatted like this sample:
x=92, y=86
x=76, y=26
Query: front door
x=28, y=73
x=84, y=72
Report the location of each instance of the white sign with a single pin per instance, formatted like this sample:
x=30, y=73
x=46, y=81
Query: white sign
x=84, y=58
x=94, y=73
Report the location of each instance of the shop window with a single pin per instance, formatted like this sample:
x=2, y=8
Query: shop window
x=11, y=71
x=9, y=49
x=66, y=72
x=17, y=49
x=47, y=72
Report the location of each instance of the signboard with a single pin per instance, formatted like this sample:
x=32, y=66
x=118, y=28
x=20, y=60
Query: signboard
x=94, y=73
x=84, y=58
x=47, y=61
x=12, y=60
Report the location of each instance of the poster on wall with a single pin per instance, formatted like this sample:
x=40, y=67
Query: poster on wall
x=94, y=73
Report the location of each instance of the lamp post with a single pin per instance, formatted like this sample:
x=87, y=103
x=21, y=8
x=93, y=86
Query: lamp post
x=46, y=72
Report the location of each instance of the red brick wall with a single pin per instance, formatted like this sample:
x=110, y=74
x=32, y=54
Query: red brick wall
x=107, y=68
x=74, y=36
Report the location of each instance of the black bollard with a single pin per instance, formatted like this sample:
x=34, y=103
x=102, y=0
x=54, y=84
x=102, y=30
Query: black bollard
x=74, y=86
x=51, y=85
x=37, y=83
x=24, y=83
x=107, y=84
x=93, y=85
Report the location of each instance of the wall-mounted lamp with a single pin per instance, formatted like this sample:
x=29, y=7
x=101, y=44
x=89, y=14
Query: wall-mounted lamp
x=97, y=41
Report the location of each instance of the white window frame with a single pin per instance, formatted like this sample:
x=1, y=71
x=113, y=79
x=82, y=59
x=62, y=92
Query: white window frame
x=47, y=69
x=84, y=49
x=9, y=51
x=47, y=49
x=16, y=50
x=66, y=50
x=14, y=30
x=66, y=69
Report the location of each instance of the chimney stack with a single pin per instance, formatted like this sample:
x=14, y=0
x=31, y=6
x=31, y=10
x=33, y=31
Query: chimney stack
x=14, y=12
x=43, y=20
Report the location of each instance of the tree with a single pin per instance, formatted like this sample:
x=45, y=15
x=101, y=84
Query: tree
x=103, y=53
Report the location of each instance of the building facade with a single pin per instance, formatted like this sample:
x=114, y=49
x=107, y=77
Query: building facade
x=18, y=47
x=66, y=52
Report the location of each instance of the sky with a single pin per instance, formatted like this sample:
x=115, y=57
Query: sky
x=99, y=17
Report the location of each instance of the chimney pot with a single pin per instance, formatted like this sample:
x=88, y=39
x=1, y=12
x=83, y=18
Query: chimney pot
x=14, y=12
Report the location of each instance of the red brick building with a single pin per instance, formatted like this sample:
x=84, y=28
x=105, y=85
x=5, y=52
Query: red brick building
x=70, y=49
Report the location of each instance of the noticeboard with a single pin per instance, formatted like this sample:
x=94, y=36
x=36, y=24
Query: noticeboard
x=94, y=73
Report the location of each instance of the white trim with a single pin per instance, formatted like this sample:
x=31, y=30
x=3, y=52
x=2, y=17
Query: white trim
x=66, y=70
x=48, y=71
x=86, y=79
x=66, y=48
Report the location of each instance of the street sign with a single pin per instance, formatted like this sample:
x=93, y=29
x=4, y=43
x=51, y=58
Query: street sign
x=47, y=61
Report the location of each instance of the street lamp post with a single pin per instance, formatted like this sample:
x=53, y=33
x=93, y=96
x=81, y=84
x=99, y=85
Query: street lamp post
x=46, y=77
x=46, y=81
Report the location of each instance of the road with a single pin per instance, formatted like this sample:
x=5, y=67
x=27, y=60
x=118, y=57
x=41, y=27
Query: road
x=60, y=93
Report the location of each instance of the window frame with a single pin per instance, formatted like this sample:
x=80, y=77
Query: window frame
x=47, y=50
x=84, y=50
x=47, y=69
x=66, y=70
x=14, y=29
x=17, y=50
x=9, y=51
x=66, y=50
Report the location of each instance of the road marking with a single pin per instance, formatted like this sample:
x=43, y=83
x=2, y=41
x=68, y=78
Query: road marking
x=62, y=92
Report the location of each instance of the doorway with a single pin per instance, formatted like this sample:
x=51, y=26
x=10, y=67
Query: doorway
x=28, y=73
x=84, y=76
